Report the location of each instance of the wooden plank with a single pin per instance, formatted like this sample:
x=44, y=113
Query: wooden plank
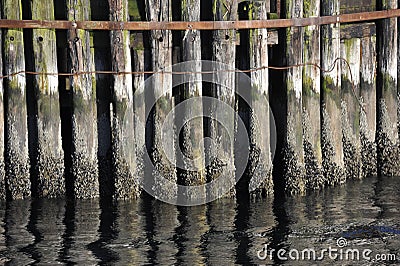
x=220, y=154
x=350, y=94
x=2, y=166
x=16, y=156
x=161, y=50
x=294, y=169
x=84, y=126
x=332, y=148
x=260, y=167
x=191, y=157
x=49, y=154
x=312, y=99
x=368, y=113
x=123, y=137
x=350, y=31
x=387, y=82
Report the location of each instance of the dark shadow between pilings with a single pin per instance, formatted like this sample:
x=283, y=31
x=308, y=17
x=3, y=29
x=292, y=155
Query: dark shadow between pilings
x=278, y=105
x=102, y=60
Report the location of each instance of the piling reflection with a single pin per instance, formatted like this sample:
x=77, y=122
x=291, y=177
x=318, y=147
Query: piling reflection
x=224, y=232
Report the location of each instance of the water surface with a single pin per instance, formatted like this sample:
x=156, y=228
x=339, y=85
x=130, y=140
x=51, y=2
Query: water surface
x=225, y=232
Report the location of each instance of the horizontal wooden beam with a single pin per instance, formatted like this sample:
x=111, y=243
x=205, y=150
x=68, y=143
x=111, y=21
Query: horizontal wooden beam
x=199, y=25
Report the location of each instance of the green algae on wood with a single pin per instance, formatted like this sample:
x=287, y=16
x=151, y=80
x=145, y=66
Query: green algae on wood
x=84, y=126
x=331, y=140
x=18, y=183
x=49, y=153
x=123, y=137
x=260, y=161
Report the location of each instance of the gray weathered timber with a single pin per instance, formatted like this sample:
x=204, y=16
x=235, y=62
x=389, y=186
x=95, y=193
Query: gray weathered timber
x=123, y=137
x=84, y=126
x=387, y=131
x=192, y=148
x=368, y=113
x=260, y=167
x=161, y=50
x=350, y=94
x=18, y=183
x=139, y=101
x=49, y=153
x=294, y=168
x=312, y=100
x=220, y=154
x=331, y=140
x=2, y=166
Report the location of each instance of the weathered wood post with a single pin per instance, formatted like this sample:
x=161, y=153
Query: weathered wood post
x=161, y=49
x=368, y=113
x=220, y=154
x=2, y=166
x=260, y=150
x=84, y=126
x=350, y=94
x=332, y=148
x=123, y=137
x=294, y=172
x=49, y=154
x=192, y=149
x=138, y=66
x=18, y=183
x=388, y=119
x=312, y=99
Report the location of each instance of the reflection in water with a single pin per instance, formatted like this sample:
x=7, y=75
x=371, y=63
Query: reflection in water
x=225, y=232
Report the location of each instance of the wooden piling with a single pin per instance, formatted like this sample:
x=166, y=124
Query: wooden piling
x=18, y=183
x=368, y=113
x=331, y=134
x=259, y=120
x=220, y=154
x=138, y=65
x=161, y=50
x=84, y=126
x=387, y=83
x=2, y=166
x=49, y=153
x=123, y=137
x=312, y=99
x=294, y=169
x=192, y=149
x=351, y=105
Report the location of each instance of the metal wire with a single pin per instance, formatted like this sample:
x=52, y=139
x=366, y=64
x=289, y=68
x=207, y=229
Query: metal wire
x=280, y=68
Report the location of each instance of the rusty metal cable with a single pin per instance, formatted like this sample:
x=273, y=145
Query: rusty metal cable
x=279, y=68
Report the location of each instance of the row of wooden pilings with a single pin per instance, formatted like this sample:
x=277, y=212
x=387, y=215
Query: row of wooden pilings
x=332, y=125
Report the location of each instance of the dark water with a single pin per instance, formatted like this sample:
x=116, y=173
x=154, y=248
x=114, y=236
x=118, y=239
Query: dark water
x=225, y=232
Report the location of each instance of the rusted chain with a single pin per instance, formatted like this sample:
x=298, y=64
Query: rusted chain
x=199, y=25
